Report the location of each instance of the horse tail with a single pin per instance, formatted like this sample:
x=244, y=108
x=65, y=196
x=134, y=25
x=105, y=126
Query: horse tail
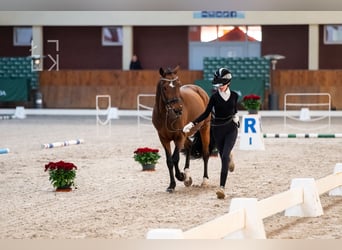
x=196, y=147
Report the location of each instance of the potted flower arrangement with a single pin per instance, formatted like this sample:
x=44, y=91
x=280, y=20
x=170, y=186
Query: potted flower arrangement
x=62, y=175
x=147, y=157
x=252, y=103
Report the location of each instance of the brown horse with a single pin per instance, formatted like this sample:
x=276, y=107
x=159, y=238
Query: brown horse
x=175, y=106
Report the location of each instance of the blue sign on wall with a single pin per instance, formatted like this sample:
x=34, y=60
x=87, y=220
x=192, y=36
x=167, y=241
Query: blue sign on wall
x=219, y=14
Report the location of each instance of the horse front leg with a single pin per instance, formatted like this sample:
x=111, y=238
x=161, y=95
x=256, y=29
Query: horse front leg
x=205, y=136
x=169, y=163
x=175, y=158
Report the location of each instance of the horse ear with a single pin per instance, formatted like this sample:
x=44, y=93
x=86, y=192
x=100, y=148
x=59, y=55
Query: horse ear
x=175, y=70
x=161, y=72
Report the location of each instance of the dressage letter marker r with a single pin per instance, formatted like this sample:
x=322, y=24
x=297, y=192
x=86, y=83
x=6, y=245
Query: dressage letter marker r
x=251, y=137
x=250, y=123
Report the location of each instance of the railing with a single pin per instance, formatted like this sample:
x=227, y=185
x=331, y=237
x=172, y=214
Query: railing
x=244, y=221
x=144, y=111
x=303, y=101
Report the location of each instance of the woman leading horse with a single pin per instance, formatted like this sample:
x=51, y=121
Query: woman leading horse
x=225, y=122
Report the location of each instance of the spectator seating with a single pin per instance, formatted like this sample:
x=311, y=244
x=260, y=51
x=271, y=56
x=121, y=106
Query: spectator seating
x=250, y=74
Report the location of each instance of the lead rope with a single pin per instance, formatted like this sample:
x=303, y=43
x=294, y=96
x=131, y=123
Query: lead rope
x=172, y=129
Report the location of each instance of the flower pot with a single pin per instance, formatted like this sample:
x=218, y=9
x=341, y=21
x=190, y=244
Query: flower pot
x=64, y=189
x=61, y=175
x=252, y=111
x=148, y=167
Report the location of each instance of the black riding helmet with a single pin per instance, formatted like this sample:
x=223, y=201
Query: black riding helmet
x=222, y=77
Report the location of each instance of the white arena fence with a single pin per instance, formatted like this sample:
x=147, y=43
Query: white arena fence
x=245, y=218
x=301, y=109
x=144, y=111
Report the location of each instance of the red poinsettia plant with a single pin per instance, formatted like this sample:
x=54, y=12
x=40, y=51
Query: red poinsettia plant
x=146, y=155
x=251, y=102
x=62, y=174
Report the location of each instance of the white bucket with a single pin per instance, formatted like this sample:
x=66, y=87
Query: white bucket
x=304, y=114
x=20, y=112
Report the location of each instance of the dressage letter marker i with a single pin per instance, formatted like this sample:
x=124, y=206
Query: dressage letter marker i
x=251, y=137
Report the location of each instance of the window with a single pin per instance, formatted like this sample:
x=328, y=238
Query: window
x=225, y=33
x=333, y=34
x=112, y=36
x=22, y=36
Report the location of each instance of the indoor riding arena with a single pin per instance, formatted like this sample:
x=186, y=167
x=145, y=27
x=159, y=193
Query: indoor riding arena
x=115, y=199
x=67, y=94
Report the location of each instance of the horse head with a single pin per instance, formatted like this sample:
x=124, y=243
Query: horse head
x=169, y=90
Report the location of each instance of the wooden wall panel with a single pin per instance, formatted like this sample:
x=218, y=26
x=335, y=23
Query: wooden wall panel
x=308, y=81
x=78, y=88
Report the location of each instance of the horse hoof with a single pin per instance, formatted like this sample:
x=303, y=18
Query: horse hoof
x=188, y=182
x=180, y=177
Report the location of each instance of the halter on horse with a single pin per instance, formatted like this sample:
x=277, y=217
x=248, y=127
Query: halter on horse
x=175, y=106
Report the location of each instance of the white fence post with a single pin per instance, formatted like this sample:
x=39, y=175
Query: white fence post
x=337, y=191
x=311, y=205
x=165, y=233
x=144, y=111
x=245, y=218
x=254, y=226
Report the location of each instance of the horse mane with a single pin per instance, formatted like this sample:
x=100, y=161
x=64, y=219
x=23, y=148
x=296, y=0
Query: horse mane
x=158, y=102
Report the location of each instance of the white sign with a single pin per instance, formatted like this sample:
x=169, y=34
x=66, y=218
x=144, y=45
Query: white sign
x=251, y=136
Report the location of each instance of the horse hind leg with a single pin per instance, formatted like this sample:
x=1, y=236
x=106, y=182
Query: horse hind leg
x=205, y=138
x=187, y=175
x=188, y=179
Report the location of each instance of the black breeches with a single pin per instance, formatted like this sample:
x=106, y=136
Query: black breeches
x=225, y=137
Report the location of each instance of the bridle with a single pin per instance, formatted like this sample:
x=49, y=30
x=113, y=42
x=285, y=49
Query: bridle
x=169, y=122
x=170, y=110
x=169, y=102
